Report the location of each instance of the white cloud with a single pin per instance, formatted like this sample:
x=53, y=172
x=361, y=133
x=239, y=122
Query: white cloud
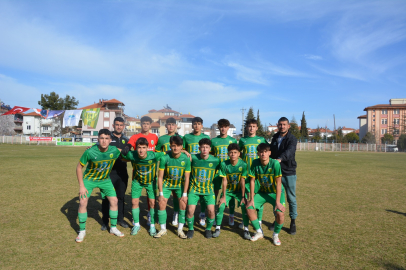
x=248, y=74
x=313, y=57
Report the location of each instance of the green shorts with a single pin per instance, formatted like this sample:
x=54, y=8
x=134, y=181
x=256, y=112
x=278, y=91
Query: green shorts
x=232, y=195
x=168, y=191
x=217, y=182
x=193, y=198
x=106, y=188
x=261, y=198
x=136, y=189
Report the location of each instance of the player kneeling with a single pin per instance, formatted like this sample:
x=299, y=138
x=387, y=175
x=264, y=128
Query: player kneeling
x=233, y=173
x=173, y=176
x=100, y=159
x=268, y=172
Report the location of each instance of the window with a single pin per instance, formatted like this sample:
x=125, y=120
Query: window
x=384, y=131
x=385, y=111
x=106, y=124
x=44, y=128
x=106, y=114
x=384, y=121
x=95, y=133
x=373, y=115
x=396, y=132
x=86, y=133
x=28, y=127
x=396, y=111
x=374, y=120
x=396, y=121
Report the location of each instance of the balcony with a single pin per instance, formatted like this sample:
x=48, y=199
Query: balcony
x=16, y=128
x=18, y=120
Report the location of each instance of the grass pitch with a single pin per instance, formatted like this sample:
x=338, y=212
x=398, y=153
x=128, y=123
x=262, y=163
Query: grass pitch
x=351, y=206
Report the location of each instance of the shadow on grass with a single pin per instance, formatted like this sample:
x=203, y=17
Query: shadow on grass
x=396, y=212
x=392, y=266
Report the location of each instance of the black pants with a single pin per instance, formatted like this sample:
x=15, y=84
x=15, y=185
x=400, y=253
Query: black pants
x=120, y=182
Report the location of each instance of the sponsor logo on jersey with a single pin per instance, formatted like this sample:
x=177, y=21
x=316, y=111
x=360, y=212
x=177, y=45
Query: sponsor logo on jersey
x=182, y=163
x=111, y=155
x=103, y=167
x=202, y=176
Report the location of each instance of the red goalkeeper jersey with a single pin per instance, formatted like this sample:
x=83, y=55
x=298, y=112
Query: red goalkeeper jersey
x=151, y=138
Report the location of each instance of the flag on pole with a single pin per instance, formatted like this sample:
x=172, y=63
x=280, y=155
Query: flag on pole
x=43, y=113
x=16, y=109
x=90, y=117
x=71, y=118
x=52, y=114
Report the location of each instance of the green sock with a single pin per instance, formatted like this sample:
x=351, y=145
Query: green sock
x=152, y=213
x=182, y=214
x=255, y=224
x=175, y=204
x=113, y=218
x=190, y=222
x=220, y=214
x=278, y=227
x=231, y=206
x=136, y=214
x=245, y=219
x=82, y=221
x=162, y=216
x=260, y=213
x=209, y=223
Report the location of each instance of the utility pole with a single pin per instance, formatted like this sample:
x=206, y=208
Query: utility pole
x=242, y=123
x=335, y=131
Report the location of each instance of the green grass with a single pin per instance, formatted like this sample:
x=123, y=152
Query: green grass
x=352, y=215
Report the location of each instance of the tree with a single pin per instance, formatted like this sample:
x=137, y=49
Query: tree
x=402, y=142
x=387, y=138
x=294, y=129
x=261, y=132
x=317, y=135
x=303, y=131
x=368, y=138
x=250, y=115
x=54, y=102
x=351, y=137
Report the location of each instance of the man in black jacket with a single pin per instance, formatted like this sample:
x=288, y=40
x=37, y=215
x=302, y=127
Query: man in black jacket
x=283, y=149
x=118, y=175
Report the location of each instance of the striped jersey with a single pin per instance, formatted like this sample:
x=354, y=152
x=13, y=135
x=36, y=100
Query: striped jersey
x=203, y=172
x=233, y=174
x=219, y=147
x=266, y=174
x=99, y=164
x=191, y=142
x=144, y=170
x=163, y=143
x=248, y=147
x=174, y=170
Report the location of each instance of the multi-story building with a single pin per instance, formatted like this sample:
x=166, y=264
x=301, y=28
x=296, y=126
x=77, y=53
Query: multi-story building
x=214, y=131
x=11, y=124
x=133, y=124
x=35, y=125
x=385, y=118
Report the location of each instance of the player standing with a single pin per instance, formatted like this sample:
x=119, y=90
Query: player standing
x=173, y=176
x=100, y=160
x=204, y=167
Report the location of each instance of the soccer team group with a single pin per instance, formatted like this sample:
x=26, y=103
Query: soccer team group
x=193, y=169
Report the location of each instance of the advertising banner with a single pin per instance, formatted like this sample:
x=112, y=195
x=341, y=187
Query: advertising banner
x=90, y=117
x=83, y=142
x=71, y=118
x=41, y=139
x=64, y=141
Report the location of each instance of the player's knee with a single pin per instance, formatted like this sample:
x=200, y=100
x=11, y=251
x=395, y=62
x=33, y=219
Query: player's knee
x=113, y=201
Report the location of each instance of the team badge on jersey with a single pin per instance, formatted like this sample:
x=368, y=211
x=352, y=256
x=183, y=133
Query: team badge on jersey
x=149, y=161
x=210, y=165
x=152, y=142
x=230, y=142
x=123, y=141
x=258, y=140
x=111, y=155
x=269, y=170
x=183, y=163
x=240, y=169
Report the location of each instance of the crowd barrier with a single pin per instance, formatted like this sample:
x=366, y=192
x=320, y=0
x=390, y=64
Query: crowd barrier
x=28, y=140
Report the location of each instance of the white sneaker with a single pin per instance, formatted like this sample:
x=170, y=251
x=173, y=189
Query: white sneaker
x=175, y=219
x=241, y=226
x=148, y=219
x=160, y=234
x=257, y=236
x=80, y=236
x=181, y=234
x=231, y=220
x=116, y=232
x=276, y=240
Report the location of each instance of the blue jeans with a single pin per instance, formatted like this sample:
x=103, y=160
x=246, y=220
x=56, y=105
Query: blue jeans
x=289, y=182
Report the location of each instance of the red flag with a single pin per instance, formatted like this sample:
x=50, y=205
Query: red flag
x=17, y=109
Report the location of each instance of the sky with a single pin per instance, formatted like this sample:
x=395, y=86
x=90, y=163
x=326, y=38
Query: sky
x=208, y=58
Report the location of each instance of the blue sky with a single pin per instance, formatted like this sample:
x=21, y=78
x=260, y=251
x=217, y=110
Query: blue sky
x=209, y=58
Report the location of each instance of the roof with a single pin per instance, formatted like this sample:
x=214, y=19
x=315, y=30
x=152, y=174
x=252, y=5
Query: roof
x=386, y=106
x=155, y=124
x=186, y=116
x=113, y=101
x=362, y=116
x=133, y=119
x=93, y=106
x=101, y=104
x=232, y=126
x=169, y=116
x=344, y=128
x=152, y=111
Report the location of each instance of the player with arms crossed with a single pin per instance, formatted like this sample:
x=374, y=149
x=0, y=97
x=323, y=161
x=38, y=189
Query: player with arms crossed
x=219, y=149
x=144, y=171
x=173, y=176
x=100, y=160
x=233, y=173
x=204, y=167
x=191, y=145
x=269, y=174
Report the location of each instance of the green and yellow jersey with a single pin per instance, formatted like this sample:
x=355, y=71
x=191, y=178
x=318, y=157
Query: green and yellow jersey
x=163, y=144
x=99, y=164
x=203, y=172
x=174, y=170
x=266, y=174
x=144, y=170
x=219, y=147
x=191, y=142
x=248, y=147
x=233, y=174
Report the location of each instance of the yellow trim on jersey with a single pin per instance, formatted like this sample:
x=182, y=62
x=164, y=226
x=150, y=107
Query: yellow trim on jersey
x=82, y=163
x=161, y=169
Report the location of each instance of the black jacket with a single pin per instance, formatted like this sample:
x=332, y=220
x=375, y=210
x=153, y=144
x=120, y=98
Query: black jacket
x=286, y=153
x=120, y=167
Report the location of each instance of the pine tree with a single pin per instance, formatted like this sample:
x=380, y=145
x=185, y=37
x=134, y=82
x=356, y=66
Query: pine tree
x=250, y=115
x=304, y=132
x=260, y=132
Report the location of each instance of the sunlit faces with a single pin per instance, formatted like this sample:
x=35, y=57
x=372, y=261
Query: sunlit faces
x=146, y=126
x=118, y=127
x=283, y=126
x=264, y=155
x=224, y=130
x=172, y=128
x=142, y=150
x=176, y=149
x=234, y=154
x=197, y=127
x=205, y=149
x=252, y=129
x=104, y=141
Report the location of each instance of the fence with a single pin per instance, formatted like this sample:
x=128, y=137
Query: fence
x=24, y=140
x=333, y=147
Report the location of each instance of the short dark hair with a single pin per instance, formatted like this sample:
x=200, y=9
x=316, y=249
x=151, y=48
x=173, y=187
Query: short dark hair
x=263, y=147
x=223, y=123
x=118, y=119
x=233, y=146
x=176, y=140
x=197, y=119
x=146, y=119
x=252, y=121
x=141, y=141
x=104, y=131
x=205, y=141
x=171, y=120
x=283, y=119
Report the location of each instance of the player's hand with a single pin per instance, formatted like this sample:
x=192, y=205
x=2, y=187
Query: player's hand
x=183, y=200
x=250, y=203
x=280, y=207
x=186, y=153
x=88, y=147
x=126, y=149
x=221, y=201
x=279, y=160
x=161, y=199
x=244, y=201
x=83, y=193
